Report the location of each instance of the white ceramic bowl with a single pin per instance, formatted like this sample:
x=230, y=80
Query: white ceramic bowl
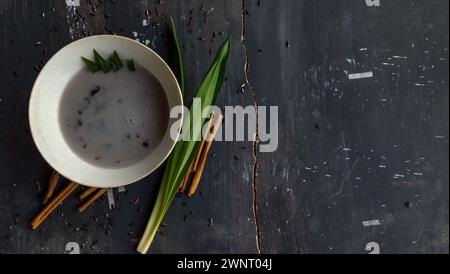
x=44, y=110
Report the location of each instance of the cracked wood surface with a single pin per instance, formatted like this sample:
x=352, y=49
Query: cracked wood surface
x=249, y=86
x=351, y=153
x=352, y=150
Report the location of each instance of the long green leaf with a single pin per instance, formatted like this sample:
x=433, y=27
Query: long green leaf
x=185, y=151
x=208, y=93
x=175, y=56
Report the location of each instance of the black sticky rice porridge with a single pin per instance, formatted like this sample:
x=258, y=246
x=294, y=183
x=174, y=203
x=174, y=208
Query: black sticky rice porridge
x=114, y=119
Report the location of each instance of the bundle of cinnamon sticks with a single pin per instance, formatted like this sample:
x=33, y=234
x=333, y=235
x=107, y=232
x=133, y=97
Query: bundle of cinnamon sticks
x=199, y=162
x=52, y=202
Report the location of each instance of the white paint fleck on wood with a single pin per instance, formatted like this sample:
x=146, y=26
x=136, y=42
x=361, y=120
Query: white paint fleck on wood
x=371, y=223
x=111, y=202
x=362, y=75
x=73, y=3
x=77, y=25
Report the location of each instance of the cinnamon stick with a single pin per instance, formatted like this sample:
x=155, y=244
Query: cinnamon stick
x=204, y=153
x=54, y=178
x=88, y=191
x=92, y=199
x=53, y=204
x=202, y=144
x=185, y=179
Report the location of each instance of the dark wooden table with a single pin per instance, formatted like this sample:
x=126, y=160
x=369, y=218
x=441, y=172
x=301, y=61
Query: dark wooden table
x=361, y=163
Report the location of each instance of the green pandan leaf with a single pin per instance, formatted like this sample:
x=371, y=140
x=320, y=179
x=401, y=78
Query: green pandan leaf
x=131, y=65
x=115, y=61
x=175, y=56
x=185, y=151
x=101, y=62
x=90, y=65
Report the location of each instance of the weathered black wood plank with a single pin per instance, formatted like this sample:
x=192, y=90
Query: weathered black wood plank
x=353, y=150
x=226, y=192
x=349, y=150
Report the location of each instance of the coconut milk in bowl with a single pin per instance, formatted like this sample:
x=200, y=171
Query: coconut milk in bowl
x=114, y=119
x=104, y=129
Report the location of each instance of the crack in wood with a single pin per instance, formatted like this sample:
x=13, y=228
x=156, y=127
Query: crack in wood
x=256, y=136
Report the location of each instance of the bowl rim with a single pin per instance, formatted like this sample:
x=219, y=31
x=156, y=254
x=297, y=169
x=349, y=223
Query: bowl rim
x=145, y=48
